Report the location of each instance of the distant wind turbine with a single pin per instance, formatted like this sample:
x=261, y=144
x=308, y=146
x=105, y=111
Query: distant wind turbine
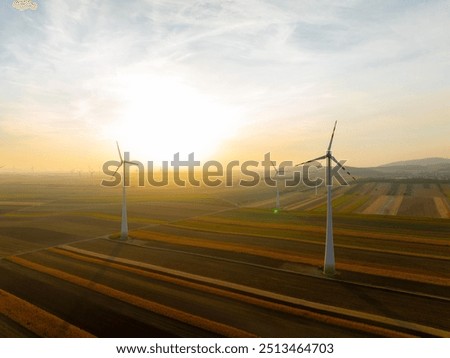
x=329, y=263
x=277, y=203
x=91, y=172
x=124, y=224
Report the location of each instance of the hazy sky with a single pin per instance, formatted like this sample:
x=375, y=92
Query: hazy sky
x=223, y=79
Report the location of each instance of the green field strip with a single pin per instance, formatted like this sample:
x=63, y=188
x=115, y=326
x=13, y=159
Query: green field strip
x=355, y=188
x=247, y=230
x=117, y=218
x=341, y=203
x=355, y=204
x=338, y=236
x=261, y=227
x=337, y=200
x=282, y=255
x=214, y=230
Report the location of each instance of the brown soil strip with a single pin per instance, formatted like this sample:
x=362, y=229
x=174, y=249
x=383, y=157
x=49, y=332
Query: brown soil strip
x=115, y=263
x=418, y=206
x=123, y=264
x=163, y=310
x=182, y=240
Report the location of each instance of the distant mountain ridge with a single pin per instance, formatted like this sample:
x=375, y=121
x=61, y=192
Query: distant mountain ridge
x=419, y=162
x=426, y=168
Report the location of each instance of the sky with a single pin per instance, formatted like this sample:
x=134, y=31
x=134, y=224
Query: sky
x=223, y=79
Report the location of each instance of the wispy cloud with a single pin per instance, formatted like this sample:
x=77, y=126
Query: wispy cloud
x=280, y=63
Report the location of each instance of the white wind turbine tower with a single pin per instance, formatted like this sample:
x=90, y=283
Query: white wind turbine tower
x=277, y=203
x=124, y=224
x=329, y=263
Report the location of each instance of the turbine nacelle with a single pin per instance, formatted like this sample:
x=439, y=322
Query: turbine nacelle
x=122, y=161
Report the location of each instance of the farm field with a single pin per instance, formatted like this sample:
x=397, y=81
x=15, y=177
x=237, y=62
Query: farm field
x=396, y=198
x=204, y=262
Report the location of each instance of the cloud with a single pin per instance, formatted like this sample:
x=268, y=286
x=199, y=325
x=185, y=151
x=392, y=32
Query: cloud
x=23, y=5
x=284, y=64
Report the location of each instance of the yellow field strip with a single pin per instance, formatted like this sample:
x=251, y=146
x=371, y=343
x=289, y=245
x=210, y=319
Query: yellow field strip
x=442, y=207
x=301, y=228
x=314, y=202
x=377, y=205
x=232, y=247
x=37, y=320
x=224, y=246
x=203, y=323
x=394, y=252
x=21, y=203
x=393, y=210
x=120, y=265
x=136, y=220
x=206, y=282
x=313, y=242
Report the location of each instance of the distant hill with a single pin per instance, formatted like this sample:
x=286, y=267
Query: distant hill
x=419, y=162
x=427, y=168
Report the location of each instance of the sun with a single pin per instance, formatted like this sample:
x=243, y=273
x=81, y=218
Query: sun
x=161, y=116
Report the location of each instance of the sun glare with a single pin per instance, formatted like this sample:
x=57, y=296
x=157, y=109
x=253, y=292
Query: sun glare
x=161, y=116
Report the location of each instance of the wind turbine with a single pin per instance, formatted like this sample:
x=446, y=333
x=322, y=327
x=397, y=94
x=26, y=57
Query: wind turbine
x=329, y=263
x=91, y=172
x=124, y=224
x=277, y=203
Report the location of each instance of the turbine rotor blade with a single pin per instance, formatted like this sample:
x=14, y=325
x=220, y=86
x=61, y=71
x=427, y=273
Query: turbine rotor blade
x=274, y=167
x=312, y=160
x=131, y=163
x=343, y=168
x=332, y=136
x=120, y=154
x=118, y=167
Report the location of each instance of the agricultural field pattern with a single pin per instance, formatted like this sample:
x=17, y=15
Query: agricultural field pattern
x=220, y=262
